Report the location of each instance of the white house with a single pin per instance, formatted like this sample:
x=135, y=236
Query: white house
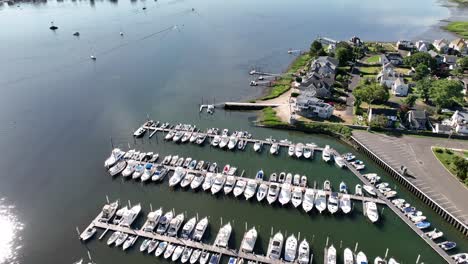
x=399, y=87
x=313, y=107
x=459, y=122
x=422, y=45
x=387, y=75
x=405, y=44
x=441, y=45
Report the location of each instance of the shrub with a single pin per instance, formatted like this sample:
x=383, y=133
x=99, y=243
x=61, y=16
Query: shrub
x=448, y=151
x=294, y=94
x=438, y=150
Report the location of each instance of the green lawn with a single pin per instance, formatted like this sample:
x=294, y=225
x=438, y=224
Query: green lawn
x=374, y=70
x=458, y=27
x=269, y=117
x=446, y=157
x=373, y=59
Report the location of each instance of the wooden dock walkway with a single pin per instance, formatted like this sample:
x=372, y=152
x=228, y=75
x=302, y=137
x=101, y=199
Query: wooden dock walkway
x=248, y=106
x=397, y=211
x=184, y=242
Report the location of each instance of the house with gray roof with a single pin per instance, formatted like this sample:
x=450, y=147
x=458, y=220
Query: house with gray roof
x=417, y=120
x=309, y=106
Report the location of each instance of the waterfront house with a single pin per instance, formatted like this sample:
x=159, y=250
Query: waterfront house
x=422, y=46
x=319, y=80
x=450, y=60
x=309, y=106
x=390, y=114
x=394, y=58
x=405, y=45
x=355, y=41
x=387, y=75
x=324, y=65
x=417, y=120
x=458, y=45
x=441, y=45
x=459, y=122
x=399, y=87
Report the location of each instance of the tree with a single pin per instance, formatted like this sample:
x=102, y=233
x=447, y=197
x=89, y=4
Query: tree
x=343, y=55
x=420, y=58
x=461, y=167
x=421, y=71
x=410, y=100
x=445, y=93
x=380, y=121
x=315, y=48
x=463, y=63
x=371, y=93
x=422, y=89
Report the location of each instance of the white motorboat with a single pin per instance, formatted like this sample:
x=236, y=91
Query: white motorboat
x=291, y=150
x=195, y=256
x=275, y=247
x=187, y=180
x=290, y=249
x=118, y=167
x=131, y=164
x=282, y=177
x=186, y=137
x=177, y=177
x=218, y=183
x=152, y=245
x=370, y=190
x=119, y=214
x=192, y=165
x=393, y=261
x=160, y=249
x=121, y=239
x=212, y=167
x=188, y=228
x=193, y=137
x=343, y=187
x=108, y=211
x=320, y=201
x=232, y=171
x=273, y=192
x=274, y=149
x=129, y=154
x=170, y=135
x=361, y=258
x=358, y=190
x=224, y=141
x=258, y=146
x=327, y=186
x=222, y=238
x=259, y=175
x=200, y=229
x=390, y=194
x=379, y=260
x=296, y=180
x=349, y=156
x=289, y=178
x=248, y=242
x=340, y=162
x=303, y=181
x=88, y=233
x=200, y=139
x=345, y=203
x=177, y=253
x=204, y=257
x=307, y=153
x=262, y=192
x=434, y=234
x=209, y=180
x=150, y=169
x=296, y=198
x=285, y=194
x=187, y=162
x=239, y=187
x=152, y=220
x=332, y=205
x=129, y=216
x=177, y=136
x=299, y=150
x=216, y=141
x=186, y=254
x=200, y=165
x=139, y=169
x=229, y=185
x=197, y=181
x=326, y=155
x=160, y=173
x=114, y=157
x=232, y=142
x=129, y=242
x=250, y=189
x=331, y=255
x=144, y=245
x=308, y=201
x=175, y=224
x=164, y=222
x=371, y=211
x=348, y=256
x=167, y=160
x=461, y=258
x=303, y=252
x=113, y=238
x=273, y=177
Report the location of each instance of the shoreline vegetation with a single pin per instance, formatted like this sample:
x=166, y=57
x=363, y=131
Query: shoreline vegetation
x=454, y=161
x=459, y=28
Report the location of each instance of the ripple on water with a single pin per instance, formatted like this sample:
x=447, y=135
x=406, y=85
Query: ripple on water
x=10, y=233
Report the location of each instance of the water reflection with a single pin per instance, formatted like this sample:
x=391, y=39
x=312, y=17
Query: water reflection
x=10, y=237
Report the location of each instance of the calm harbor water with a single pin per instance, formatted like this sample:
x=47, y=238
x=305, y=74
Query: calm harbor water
x=59, y=110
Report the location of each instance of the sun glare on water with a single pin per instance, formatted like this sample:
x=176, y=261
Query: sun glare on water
x=10, y=238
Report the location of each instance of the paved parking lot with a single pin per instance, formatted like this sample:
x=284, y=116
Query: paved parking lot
x=426, y=171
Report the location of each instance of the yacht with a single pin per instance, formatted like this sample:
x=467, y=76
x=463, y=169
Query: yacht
x=340, y=162
x=248, y=242
x=307, y=153
x=273, y=192
x=370, y=190
x=229, y=185
x=187, y=180
x=160, y=249
x=200, y=229
x=343, y=187
x=239, y=187
x=164, y=222
x=320, y=201
x=296, y=198
x=88, y=233
x=131, y=164
x=129, y=216
x=291, y=150
x=345, y=203
x=113, y=238
x=331, y=255
x=195, y=256
x=358, y=190
x=304, y=252
x=327, y=186
x=121, y=239
x=108, y=211
x=333, y=203
x=204, y=257
x=197, y=181
x=209, y=180
x=169, y=250
x=114, y=157
x=308, y=202
x=152, y=220
x=148, y=172
x=250, y=189
x=177, y=253
x=119, y=214
x=371, y=211
x=258, y=146
x=348, y=256
x=262, y=192
x=118, y=167
x=187, y=229
x=274, y=149
x=177, y=177
x=326, y=156
x=275, y=246
x=299, y=150
x=379, y=260
x=186, y=254
x=216, y=141
x=285, y=194
x=139, y=169
x=232, y=142
x=218, y=183
x=129, y=242
x=259, y=175
x=361, y=258
x=282, y=177
x=222, y=238
x=175, y=224
x=290, y=249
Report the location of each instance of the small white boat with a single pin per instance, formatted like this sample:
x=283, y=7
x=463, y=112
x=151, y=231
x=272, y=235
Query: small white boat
x=348, y=256
x=88, y=233
x=187, y=180
x=152, y=220
x=379, y=260
x=161, y=248
x=113, y=238
x=340, y=162
x=170, y=135
x=393, y=261
x=129, y=242
x=358, y=190
x=327, y=186
x=248, y=242
x=195, y=256
x=434, y=234
x=262, y=192
x=273, y=177
x=275, y=247
x=296, y=198
x=224, y=141
x=121, y=239
x=239, y=187
x=177, y=177
x=308, y=202
x=307, y=153
x=193, y=137
x=209, y=180
x=332, y=205
x=296, y=179
x=461, y=258
x=218, y=183
x=371, y=211
x=259, y=175
x=370, y=190
x=131, y=164
x=152, y=245
x=174, y=160
x=343, y=187
x=303, y=252
x=361, y=258
x=216, y=141
x=250, y=189
x=282, y=177
x=188, y=228
x=186, y=254
x=331, y=255
x=258, y=146
x=229, y=185
x=299, y=150
x=320, y=201
x=177, y=253
x=186, y=162
x=175, y=224
x=232, y=142
x=274, y=149
x=273, y=192
x=285, y=194
x=222, y=238
x=200, y=229
x=290, y=249
x=139, y=132
x=148, y=172
x=291, y=150
x=118, y=167
x=205, y=256
x=164, y=222
x=303, y=181
x=197, y=181
x=345, y=203
x=326, y=155
x=289, y=178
